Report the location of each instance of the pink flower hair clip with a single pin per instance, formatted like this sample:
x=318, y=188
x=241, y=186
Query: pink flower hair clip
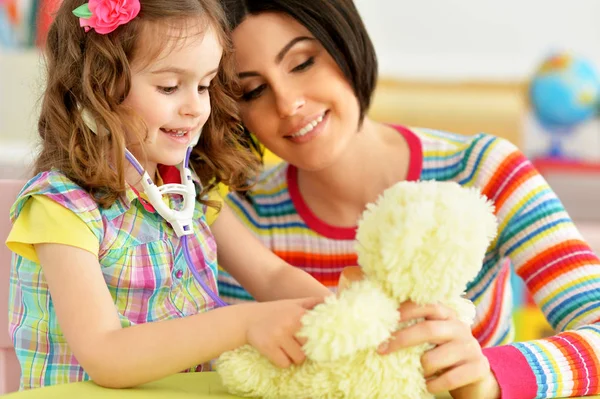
x=104, y=16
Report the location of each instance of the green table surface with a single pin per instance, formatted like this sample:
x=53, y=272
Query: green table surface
x=179, y=386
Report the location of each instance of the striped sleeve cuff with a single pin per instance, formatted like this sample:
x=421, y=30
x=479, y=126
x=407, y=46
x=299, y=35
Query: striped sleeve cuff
x=565, y=365
x=512, y=371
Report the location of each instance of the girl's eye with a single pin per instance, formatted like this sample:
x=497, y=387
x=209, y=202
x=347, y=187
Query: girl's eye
x=167, y=89
x=306, y=64
x=203, y=89
x=254, y=94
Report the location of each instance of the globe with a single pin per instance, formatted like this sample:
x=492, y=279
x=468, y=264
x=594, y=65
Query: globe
x=564, y=92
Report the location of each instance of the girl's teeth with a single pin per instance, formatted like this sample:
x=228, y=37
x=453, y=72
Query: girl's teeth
x=309, y=126
x=177, y=133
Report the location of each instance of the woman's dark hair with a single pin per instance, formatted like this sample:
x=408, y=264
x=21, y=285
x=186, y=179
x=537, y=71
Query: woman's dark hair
x=336, y=24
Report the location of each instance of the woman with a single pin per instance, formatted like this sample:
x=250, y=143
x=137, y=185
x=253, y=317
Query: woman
x=307, y=70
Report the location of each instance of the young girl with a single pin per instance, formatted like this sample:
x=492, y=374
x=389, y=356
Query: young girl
x=308, y=70
x=100, y=287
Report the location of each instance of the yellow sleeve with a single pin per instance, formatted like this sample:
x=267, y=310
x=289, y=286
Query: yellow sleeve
x=211, y=212
x=37, y=223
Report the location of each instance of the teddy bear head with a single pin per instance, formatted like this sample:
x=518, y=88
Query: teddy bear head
x=424, y=241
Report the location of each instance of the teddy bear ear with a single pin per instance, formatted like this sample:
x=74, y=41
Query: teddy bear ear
x=425, y=241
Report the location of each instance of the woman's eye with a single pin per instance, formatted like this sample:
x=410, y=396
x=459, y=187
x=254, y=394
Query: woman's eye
x=253, y=94
x=167, y=89
x=203, y=89
x=304, y=65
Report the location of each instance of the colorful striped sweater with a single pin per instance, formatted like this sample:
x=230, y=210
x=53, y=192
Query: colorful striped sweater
x=536, y=237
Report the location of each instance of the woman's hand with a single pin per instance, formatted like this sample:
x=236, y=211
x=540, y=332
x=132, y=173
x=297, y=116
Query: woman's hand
x=272, y=332
x=456, y=363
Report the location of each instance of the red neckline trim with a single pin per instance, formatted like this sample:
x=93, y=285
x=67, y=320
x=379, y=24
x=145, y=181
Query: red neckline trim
x=349, y=233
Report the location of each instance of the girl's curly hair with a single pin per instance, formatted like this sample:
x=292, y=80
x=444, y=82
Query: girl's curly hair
x=91, y=71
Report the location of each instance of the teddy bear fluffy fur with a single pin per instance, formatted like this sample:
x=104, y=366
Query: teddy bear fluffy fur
x=420, y=241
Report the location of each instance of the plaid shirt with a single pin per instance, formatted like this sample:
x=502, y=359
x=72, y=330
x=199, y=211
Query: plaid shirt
x=143, y=265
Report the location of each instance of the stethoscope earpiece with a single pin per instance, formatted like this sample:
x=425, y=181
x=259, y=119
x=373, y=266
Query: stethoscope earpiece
x=196, y=138
x=90, y=122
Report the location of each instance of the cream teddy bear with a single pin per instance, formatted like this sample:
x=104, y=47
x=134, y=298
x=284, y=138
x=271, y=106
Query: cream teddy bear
x=420, y=241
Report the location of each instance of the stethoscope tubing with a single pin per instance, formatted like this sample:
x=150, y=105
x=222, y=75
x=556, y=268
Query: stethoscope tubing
x=184, y=238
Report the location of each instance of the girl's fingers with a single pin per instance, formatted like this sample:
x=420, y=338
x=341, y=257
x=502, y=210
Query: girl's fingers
x=279, y=358
x=293, y=351
x=310, y=302
x=301, y=340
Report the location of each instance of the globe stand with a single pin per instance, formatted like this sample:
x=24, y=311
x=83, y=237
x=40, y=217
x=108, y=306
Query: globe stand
x=556, y=149
x=556, y=136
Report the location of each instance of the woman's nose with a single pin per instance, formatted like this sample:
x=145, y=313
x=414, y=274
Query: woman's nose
x=289, y=103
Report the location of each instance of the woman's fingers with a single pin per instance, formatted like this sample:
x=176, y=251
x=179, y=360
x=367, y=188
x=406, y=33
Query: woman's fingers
x=459, y=376
x=410, y=311
x=449, y=355
x=456, y=363
x=429, y=331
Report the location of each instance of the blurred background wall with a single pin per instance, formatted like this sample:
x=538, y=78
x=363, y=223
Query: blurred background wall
x=477, y=39
x=451, y=43
x=462, y=65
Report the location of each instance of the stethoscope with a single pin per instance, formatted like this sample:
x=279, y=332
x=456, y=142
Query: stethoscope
x=181, y=220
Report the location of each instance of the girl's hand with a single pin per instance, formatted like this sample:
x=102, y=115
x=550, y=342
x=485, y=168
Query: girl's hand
x=273, y=331
x=456, y=363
